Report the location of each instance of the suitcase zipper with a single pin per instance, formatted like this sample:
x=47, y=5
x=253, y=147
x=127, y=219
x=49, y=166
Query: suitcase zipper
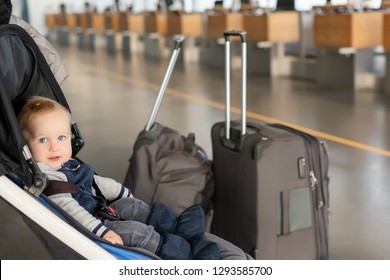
x=313, y=180
x=320, y=203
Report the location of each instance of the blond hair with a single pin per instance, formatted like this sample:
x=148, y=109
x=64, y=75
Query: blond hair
x=38, y=105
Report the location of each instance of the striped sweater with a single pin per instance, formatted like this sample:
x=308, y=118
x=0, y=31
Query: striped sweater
x=81, y=205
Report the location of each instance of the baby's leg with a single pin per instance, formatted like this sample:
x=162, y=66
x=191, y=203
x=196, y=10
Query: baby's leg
x=135, y=234
x=132, y=209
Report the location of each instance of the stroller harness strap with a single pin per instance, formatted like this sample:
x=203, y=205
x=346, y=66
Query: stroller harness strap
x=56, y=187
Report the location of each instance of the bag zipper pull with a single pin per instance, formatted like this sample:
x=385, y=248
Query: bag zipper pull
x=313, y=180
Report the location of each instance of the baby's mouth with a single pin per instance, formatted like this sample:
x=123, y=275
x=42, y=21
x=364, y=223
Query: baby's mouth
x=54, y=158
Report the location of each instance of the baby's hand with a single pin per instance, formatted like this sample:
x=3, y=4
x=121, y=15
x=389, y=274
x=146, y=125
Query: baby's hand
x=113, y=238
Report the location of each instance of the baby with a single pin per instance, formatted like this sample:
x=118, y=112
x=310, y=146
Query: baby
x=46, y=126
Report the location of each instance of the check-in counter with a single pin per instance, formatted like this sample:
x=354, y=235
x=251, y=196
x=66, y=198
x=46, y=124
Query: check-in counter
x=187, y=24
x=267, y=34
x=73, y=27
x=156, y=23
x=115, y=24
x=346, y=43
x=220, y=21
x=50, y=20
x=156, y=28
x=98, y=26
x=60, y=20
x=386, y=48
x=136, y=22
x=385, y=4
x=136, y=27
x=275, y=27
x=62, y=31
x=116, y=21
x=386, y=32
x=358, y=30
x=72, y=21
x=86, y=20
x=81, y=24
x=91, y=26
x=99, y=22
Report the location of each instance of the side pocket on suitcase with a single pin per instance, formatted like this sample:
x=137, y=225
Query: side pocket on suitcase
x=294, y=210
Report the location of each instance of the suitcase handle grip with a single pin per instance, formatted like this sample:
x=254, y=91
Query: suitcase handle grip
x=242, y=35
x=178, y=41
x=231, y=33
x=178, y=44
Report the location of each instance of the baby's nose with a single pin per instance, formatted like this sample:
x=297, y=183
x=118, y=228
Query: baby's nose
x=53, y=146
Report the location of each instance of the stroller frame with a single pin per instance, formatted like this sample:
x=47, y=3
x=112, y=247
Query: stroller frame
x=31, y=207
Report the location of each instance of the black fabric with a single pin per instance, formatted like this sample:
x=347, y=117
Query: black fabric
x=24, y=72
x=8, y=4
x=49, y=241
x=5, y=13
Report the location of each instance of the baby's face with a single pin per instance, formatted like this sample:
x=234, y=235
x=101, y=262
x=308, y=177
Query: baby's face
x=50, y=139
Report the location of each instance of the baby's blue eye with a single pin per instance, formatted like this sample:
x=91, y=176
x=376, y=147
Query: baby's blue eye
x=43, y=140
x=62, y=138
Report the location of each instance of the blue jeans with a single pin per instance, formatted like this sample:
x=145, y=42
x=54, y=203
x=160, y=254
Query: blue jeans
x=132, y=227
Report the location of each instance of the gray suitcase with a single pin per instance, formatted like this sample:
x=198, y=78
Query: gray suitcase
x=271, y=196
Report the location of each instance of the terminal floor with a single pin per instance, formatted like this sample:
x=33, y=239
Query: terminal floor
x=111, y=98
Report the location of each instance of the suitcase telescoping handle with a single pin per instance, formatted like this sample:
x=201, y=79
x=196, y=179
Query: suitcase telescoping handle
x=242, y=35
x=178, y=44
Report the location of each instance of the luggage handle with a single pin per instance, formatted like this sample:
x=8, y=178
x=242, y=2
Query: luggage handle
x=178, y=44
x=242, y=34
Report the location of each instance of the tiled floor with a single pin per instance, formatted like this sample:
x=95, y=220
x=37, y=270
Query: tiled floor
x=111, y=98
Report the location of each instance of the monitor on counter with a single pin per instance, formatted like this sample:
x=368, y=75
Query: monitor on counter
x=285, y=5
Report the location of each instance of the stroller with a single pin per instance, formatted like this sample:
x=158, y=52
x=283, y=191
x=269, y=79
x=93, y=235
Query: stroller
x=24, y=72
